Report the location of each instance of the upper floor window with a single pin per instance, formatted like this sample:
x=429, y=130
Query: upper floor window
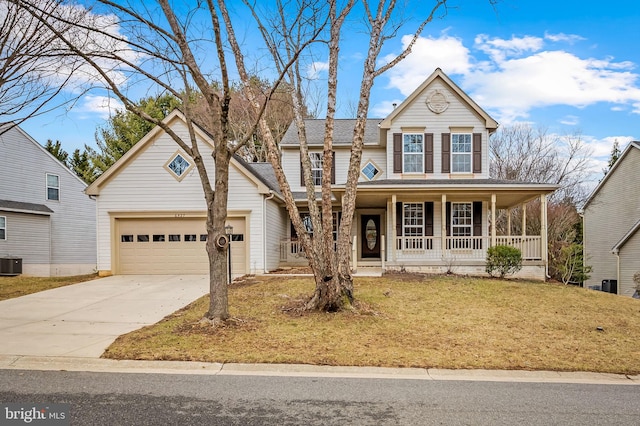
x=370, y=170
x=53, y=187
x=461, y=153
x=317, y=163
x=3, y=228
x=412, y=152
x=316, y=167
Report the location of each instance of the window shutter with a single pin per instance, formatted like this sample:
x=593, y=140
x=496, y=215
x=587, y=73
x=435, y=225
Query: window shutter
x=477, y=153
x=399, y=219
x=428, y=152
x=397, y=153
x=448, y=219
x=301, y=172
x=477, y=218
x=428, y=218
x=446, y=148
x=333, y=168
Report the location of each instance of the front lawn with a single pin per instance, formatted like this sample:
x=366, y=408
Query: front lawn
x=407, y=320
x=20, y=285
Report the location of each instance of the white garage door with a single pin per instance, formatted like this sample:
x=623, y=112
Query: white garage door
x=173, y=246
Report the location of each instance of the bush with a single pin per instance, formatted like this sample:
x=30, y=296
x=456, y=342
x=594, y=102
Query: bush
x=504, y=260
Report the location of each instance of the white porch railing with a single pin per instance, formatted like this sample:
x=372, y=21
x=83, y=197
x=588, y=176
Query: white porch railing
x=430, y=248
x=462, y=248
x=529, y=245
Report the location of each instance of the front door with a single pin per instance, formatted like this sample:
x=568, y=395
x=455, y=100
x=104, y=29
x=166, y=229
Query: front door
x=370, y=235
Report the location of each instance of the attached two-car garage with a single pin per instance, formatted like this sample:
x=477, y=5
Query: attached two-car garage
x=173, y=246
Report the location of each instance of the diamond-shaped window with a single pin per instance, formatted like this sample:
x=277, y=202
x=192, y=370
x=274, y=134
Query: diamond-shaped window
x=178, y=165
x=370, y=171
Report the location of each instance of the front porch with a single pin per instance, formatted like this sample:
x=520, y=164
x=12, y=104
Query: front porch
x=450, y=233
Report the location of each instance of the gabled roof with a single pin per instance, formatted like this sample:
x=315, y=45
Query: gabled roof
x=342, y=132
x=632, y=145
x=627, y=236
x=257, y=174
x=490, y=123
x=43, y=149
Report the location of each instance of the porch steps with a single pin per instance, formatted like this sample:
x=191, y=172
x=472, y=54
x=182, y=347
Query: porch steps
x=368, y=271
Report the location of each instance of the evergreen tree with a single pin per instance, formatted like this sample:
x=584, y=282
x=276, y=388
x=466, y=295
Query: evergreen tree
x=55, y=148
x=615, y=154
x=79, y=163
x=123, y=131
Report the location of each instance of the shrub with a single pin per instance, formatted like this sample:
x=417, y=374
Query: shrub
x=636, y=280
x=504, y=260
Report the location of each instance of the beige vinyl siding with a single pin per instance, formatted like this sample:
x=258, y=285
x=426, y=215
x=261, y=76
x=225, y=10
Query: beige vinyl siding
x=291, y=164
x=629, y=265
x=419, y=116
x=610, y=215
x=73, y=221
x=27, y=238
x=276, y=228
x=145, y=188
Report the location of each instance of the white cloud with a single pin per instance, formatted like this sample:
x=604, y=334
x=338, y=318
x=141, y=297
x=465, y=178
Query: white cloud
x=384, y=108
x=562, y=37
x=570, y=120
x=103, y=106
x=519, y=74
x=316, y=68
x=428, y=54
x=499, y=49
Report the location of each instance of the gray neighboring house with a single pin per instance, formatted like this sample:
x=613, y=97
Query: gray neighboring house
x=612, y=224
x=46, y=219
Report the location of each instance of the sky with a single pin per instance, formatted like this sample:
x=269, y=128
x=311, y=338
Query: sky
x=568, y=66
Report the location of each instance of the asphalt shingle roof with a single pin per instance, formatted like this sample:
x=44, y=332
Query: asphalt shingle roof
x=18, y=205
x=342, y=133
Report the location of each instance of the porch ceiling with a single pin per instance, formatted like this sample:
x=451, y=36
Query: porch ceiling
x=508, y=194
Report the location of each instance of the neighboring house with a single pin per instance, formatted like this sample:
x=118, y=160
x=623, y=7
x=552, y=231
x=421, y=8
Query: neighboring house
x=46, y=219
x=425, y=200
x=612, y=224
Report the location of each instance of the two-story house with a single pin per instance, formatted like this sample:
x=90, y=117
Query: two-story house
x=612, y=226
x=425, y=200
x=47, y=222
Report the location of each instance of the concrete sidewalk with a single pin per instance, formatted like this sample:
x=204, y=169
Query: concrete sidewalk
x=82, y=320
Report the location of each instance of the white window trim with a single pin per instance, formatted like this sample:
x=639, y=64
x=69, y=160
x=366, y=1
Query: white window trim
x=186, y=171
x=469, y=227
x=3, y=226
x=46, y=179
x=469, y=154
x=421, y=154
x=405, y=227
x=373, y=163
x=318, y=158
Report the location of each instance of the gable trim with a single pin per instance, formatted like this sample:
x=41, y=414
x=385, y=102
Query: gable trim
x=632, y=144
x=490, y=123
x=627, y=236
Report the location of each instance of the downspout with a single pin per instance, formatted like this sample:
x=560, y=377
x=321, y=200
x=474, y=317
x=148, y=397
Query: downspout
x=264, y=230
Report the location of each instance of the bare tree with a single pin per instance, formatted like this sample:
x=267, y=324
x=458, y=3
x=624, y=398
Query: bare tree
x=156, y=48
x=283, y=34
x=35, y=67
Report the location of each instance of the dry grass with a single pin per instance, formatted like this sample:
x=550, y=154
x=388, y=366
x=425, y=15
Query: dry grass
x=408, y=321
x=11, y=287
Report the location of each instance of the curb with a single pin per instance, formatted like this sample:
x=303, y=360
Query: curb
x=100, y=365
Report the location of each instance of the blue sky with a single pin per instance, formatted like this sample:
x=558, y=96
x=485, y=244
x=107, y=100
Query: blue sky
x=566, y=65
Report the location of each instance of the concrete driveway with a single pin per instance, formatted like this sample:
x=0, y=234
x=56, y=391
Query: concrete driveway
x=82, y=320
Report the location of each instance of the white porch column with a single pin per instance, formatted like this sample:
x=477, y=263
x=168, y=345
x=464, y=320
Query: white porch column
x=543, y=232
x=443, y=223
x=524, y=220
x=394, y=220
x=493, y=220
x=508, y=222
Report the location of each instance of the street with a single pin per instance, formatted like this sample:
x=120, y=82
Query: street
x=174, y=399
